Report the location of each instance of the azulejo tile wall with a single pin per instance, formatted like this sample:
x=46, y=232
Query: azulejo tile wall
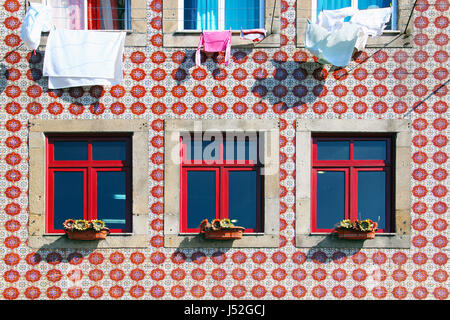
x=282, y=83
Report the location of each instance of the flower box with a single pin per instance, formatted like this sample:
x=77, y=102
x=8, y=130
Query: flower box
x=356, y=230
x=354, y=234
x=87, y=234
x=221, y=229
x=85, y=229
x=225, y=234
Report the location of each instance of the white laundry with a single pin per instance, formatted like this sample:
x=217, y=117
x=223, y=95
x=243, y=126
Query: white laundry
x=333, y=19
x=334, y=47
x=254, y=35
x=331, y=37
x=372, y=21
x=36, y=20
x=76, y=58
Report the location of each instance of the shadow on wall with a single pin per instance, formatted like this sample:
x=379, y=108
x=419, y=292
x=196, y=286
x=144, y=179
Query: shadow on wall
x=76, y=96
x=287, y=84
x=55, y=253
x=318, y=253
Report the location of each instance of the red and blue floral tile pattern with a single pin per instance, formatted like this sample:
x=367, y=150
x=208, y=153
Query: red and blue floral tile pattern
x=283, y=83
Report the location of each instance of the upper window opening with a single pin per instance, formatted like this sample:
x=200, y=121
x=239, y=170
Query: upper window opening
x=358, y=4
x=223, y=14
x=91, y=14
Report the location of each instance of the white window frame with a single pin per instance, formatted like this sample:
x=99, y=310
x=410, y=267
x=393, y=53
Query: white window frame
x=354, y=5
x=221, y=12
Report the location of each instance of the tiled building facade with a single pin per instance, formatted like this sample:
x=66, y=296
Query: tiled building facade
x=279, y=84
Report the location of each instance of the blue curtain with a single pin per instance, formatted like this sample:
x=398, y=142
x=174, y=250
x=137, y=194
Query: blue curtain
x=201, y=14
x=332, y=5
x=127, y=15
x=247, y=14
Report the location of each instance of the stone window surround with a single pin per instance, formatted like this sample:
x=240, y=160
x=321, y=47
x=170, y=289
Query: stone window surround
x=38, y=129
x=174, y=38
x=402, y=185
x=173, y=130
x=304, y=11
x=136, y=37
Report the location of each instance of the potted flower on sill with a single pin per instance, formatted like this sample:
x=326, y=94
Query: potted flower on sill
x=221, y=229
x=85, y=229
x=356, y=230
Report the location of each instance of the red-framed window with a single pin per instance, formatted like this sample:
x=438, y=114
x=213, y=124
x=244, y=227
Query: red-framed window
x=220, y=178
x=351, y=179
x=88, y=178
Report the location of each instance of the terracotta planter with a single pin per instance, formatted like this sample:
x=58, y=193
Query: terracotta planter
x=225, y=234
x=87, y=234
x=354, y=234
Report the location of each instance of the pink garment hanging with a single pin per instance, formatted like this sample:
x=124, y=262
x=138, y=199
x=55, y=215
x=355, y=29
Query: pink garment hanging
x=214, y=41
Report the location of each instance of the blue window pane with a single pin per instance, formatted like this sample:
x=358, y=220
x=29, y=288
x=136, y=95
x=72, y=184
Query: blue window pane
x=332, y=5
x=71, y=150
x=109, y=150
x=206, y=150
x=242, y=198
x=369, y=150
x=330, y=201
x=201, y=197
x=333, y=150
x=201, y=15
x=245, y=14
x=68, y=196
x=372, y=4
x=372, y=196
x=111, y=198
x=241, y=149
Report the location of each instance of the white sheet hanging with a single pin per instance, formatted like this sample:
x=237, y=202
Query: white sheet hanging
x=76, y=58
x=331, y=38
x=334, y=47
x=334, y=19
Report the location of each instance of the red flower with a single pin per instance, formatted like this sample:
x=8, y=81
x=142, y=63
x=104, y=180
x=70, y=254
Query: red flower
x=76, y=108
x=179, y=108
x=219, y=108
x=117, y=108
x=13, y=108
x=259, y=108
x=379, y=107
x=12, y=91
x=240, y=108
x=260, y=57
x=260, y=74
x=239, y=74
x=138, y=91
x=138, y=108
x=137, y=57
x=158, y=74
x=158, y=91
x=158, y=57
x=179, y=91
x=199, y=108
x=219, y=91
x=137, y=74
x=199, y=74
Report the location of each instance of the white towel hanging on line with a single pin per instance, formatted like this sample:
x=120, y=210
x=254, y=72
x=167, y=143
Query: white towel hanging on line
x=76, y=58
